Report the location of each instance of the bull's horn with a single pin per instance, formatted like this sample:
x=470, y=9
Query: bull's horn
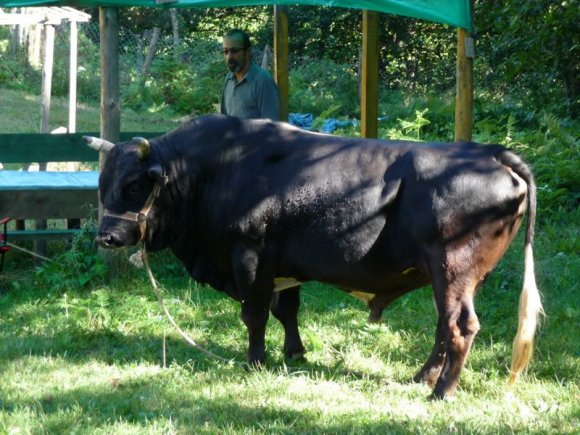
x=99, y=144
x=144, y=146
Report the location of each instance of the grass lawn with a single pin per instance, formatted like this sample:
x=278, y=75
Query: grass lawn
x=83, y=354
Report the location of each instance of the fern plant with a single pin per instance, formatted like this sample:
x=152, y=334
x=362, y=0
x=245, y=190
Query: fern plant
x=76, y=267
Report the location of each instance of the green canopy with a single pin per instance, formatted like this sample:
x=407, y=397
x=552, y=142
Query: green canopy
x=454, y=12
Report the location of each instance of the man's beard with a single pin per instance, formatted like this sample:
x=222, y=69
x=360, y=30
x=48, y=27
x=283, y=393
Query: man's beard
x=234, y=66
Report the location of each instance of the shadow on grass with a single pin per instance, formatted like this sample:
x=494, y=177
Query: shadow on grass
x=147, y=401
x=114, y=347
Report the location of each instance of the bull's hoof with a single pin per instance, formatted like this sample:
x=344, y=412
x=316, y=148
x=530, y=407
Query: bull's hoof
x=295, y=356
x=256, y=360
x=294, y=352
x=428, y=376
x=255, y=365
x=441, y=396
x=443, y=391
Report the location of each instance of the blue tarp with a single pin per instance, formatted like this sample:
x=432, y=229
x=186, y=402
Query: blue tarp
x=306, y=120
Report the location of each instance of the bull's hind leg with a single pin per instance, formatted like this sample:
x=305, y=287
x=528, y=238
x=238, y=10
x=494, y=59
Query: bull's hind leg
x=431, y=369
x=453, y=288
x=284, y=307
x=458, y=327
x=461, y=326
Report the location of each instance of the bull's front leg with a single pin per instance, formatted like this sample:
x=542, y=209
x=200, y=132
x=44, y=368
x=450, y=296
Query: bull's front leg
x=255, y=286
x=255, y=317
x=285, y=305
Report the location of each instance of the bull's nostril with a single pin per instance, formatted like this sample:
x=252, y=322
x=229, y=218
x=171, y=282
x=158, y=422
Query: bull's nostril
x=106, y=240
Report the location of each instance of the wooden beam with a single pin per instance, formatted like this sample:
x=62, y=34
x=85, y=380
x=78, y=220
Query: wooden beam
x=370, y=75
x=464, y=87
x=281, y=57
x=42, y=148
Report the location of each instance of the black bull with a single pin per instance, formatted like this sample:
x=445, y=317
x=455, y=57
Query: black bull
x=245, y=203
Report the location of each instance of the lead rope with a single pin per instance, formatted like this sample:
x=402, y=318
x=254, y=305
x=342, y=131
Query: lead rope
x=141, y=258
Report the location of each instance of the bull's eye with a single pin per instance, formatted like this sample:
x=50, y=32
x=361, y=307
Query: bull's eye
x=133, y=190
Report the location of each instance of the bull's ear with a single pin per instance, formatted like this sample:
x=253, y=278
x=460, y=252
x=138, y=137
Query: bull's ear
x=144, y=147
x=99, y=144
x=158, y=174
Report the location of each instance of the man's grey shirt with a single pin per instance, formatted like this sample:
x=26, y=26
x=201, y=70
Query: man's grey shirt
x=253, y=97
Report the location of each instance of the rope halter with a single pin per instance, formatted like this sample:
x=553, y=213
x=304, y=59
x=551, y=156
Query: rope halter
x=141, y=217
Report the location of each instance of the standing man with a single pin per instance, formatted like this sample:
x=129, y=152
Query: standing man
x=249, y=92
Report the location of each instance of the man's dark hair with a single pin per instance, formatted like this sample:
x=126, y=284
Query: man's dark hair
x=239, y=34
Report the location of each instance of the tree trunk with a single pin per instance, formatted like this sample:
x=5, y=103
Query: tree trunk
x=175, y=30
x=267, y=58
x=150, y=53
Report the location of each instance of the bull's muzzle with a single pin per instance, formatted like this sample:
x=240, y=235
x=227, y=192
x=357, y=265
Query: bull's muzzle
x=106, y=240
x=109, y=240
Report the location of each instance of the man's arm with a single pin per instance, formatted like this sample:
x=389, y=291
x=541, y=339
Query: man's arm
x=223, y=104
x=223, y=110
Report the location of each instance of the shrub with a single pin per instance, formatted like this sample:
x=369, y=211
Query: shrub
x=80, y=265
x=188, y=83
x=321, y=85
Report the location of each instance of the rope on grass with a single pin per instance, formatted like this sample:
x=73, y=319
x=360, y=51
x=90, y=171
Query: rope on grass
x=34, y=254
x=139, y=259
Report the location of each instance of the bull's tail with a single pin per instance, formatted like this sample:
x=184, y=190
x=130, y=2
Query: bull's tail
x=530, y=305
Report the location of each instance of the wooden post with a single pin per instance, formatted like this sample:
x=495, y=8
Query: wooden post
x=464, y=97
x=110, y=104
x=72, y=103
x=47, y=65
x=281, y=57
x=370, y=75
x=72, y=77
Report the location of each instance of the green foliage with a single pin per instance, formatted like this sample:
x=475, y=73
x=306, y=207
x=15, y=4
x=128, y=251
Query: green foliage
x=77, y=267
x=321, y=85
x=414, y=127
x=187, y=87
x=551, y=146
x=556, y=159
x=530, y=52
x=16, y=74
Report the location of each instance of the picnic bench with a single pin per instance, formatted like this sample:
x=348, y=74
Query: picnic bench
x=42, y=195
